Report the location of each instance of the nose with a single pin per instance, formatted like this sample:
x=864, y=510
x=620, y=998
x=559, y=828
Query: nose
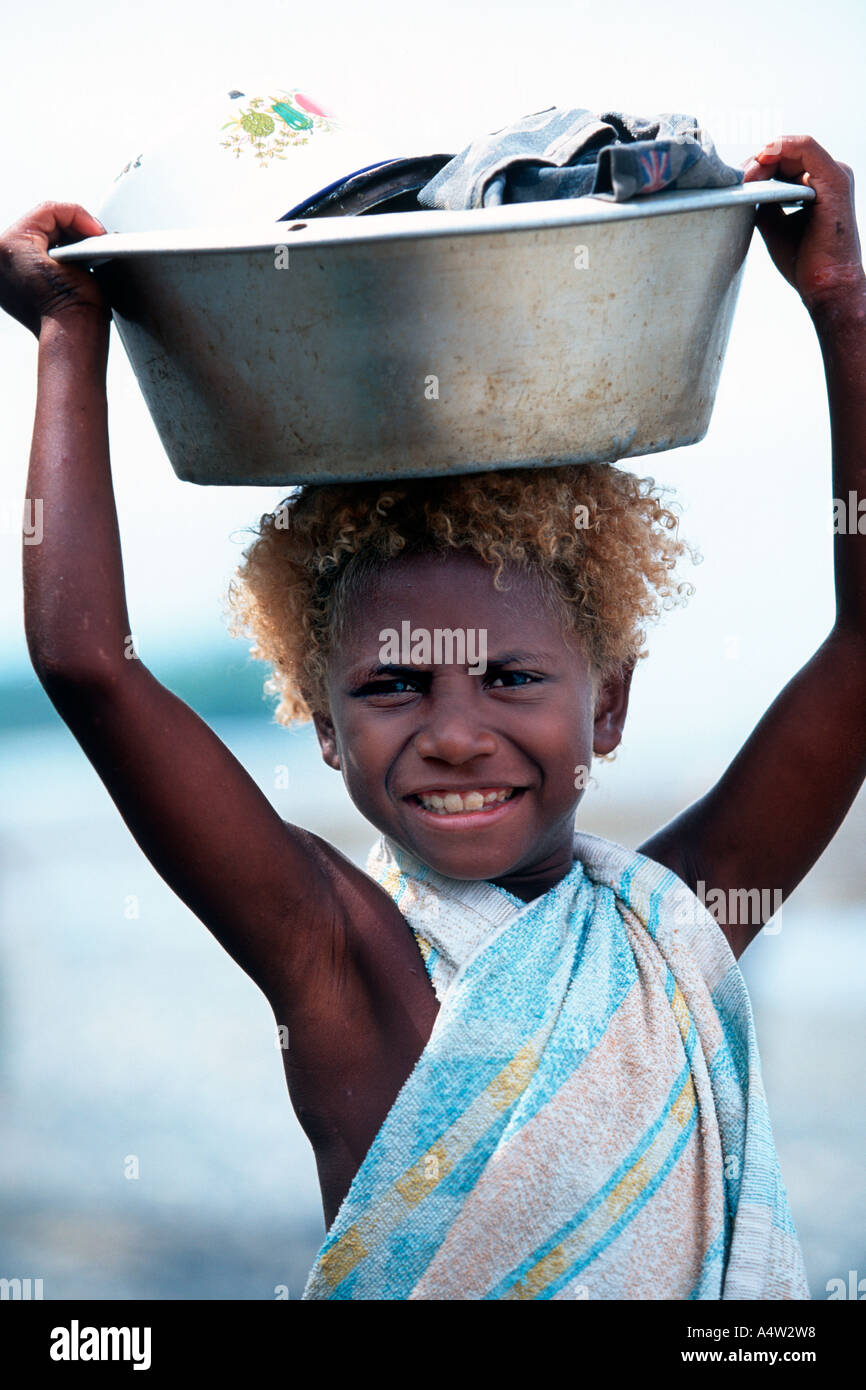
x=453, y=735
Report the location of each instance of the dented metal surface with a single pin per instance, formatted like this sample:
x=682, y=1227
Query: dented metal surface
x=400, y=345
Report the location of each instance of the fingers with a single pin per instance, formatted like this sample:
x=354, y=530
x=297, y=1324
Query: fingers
x=780, y=237
x=818, y=248
x=753, y=170
x=799, y=159
x=54, y=224
x=32, y=284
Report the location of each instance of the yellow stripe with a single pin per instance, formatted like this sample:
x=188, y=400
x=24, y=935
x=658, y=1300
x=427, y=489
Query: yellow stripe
x=628, y=1189
x=513, y=1079
x=420, y=1179
x=680, y=1009
x=390, y=879
x=423, y=1176
x=341, y=1259
x=684, y=1104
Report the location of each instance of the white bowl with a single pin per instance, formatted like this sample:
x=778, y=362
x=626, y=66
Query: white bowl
x=234, y=156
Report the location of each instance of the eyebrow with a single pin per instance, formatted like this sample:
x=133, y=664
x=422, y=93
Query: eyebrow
x=366, y=673
x=520, y=659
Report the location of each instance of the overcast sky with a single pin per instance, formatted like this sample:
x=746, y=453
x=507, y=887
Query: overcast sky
x=87, y=87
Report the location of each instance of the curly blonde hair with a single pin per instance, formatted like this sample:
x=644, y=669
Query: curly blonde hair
x=599, y=540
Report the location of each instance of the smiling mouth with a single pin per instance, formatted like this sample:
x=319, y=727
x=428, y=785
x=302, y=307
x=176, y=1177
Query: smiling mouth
x=448, y=803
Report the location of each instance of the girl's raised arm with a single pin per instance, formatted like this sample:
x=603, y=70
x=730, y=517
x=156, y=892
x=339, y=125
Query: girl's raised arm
x=763, y=825
x=260, y=886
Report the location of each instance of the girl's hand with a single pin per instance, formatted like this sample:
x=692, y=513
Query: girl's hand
x=817, y=249
x=33, y=287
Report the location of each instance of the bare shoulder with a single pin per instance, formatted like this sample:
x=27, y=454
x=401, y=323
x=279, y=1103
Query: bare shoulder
x=666, y=847
x=368, y=917
x=358, y=994
x=358, y=1010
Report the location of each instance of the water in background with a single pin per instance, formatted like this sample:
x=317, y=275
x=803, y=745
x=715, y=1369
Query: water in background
x=131, y=1042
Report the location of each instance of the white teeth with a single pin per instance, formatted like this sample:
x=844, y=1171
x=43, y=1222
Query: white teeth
x=452, y=803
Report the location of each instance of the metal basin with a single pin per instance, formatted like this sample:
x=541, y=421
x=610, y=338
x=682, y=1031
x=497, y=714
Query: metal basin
x=420, y=343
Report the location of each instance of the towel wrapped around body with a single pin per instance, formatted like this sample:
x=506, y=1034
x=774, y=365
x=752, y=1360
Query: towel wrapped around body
x=587, y=1119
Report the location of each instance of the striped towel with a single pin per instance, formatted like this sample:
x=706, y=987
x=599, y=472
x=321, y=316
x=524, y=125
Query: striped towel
x=588, y=1118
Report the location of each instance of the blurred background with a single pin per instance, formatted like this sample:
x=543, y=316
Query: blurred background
x=125, y=1032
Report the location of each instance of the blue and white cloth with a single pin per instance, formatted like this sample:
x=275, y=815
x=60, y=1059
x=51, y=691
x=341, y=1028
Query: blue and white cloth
x=587, y=1119
x=573, y=153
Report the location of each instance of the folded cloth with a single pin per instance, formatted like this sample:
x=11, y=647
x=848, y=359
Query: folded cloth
x=573, y=153
x=587, y=1119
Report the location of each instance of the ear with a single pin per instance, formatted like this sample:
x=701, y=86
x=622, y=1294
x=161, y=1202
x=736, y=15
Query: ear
x=327, y=740
x=611, y=708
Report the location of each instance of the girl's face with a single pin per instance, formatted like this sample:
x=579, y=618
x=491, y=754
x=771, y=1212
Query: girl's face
x=472, y=772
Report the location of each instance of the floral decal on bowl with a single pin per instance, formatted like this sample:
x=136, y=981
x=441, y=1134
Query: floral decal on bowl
x=267, y=127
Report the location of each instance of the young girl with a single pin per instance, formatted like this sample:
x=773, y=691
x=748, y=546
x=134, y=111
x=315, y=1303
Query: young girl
x=524, y=1057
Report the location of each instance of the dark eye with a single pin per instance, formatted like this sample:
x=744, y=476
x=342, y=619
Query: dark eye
x=396, y=686
x=390, y=689
x=511, y=679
